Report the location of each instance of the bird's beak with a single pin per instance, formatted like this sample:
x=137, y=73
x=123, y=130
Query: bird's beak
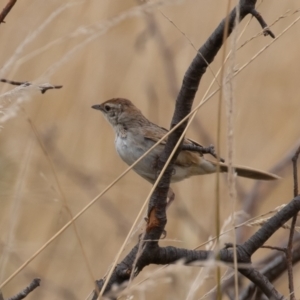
x=97, y=106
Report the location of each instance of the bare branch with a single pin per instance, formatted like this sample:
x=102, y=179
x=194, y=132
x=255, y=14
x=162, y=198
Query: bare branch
x=31, y=287
x=275, y=266
x=295, y=171
x=262, y=23
x=274, y=248
x=262, y=282
x=289, y=255
x=6, y=10
x=43, y=87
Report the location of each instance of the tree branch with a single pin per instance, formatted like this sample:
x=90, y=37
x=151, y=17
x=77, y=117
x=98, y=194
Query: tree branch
x=43, y=87
x=289, y=256
x=262, y=23
x=31, y=287
x=276, y=266
x=262, y=282
x=6, y=10
x=271, y=226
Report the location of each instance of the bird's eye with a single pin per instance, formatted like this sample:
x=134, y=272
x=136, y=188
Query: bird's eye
x=107, y=108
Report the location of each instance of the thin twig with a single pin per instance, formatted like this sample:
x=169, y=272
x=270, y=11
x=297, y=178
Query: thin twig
x=295, y=169
x=284, y=250
x=262, y=23
x=31, y=287
x=43, y=87
x=6, y=10
x=289, y=252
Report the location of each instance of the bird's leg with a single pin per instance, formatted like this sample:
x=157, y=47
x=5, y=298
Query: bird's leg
x=202, y=150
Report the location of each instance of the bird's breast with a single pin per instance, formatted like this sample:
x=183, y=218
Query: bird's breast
x=132, y=147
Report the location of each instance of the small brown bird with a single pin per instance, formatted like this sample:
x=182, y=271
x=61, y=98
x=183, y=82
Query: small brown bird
x=135, y=134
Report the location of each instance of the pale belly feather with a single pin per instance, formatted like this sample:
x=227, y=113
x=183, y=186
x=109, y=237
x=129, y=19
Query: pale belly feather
x=130, y=148
x=129, y=151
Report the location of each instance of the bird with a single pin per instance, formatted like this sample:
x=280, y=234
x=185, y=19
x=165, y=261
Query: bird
x=135, y=134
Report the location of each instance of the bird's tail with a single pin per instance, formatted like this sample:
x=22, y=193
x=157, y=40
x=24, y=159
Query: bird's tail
x=250, y=172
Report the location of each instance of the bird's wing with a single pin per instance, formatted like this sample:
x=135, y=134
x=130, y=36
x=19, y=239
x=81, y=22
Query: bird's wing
x=189, y=158
x=156, y=135
x=185, y=158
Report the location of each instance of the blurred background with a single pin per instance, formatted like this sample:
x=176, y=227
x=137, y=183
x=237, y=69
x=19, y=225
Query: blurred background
x=104, y=49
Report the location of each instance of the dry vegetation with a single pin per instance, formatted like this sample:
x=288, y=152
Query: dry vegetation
x=102, y=49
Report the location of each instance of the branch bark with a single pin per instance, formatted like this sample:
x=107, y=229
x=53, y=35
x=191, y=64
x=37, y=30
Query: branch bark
x=31, y=287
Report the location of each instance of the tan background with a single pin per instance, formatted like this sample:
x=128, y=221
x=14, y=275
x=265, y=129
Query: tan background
x=141, y=57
